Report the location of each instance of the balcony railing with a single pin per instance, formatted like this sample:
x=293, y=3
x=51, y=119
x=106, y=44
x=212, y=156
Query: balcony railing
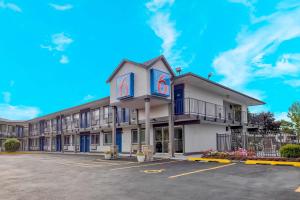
x=208, y=111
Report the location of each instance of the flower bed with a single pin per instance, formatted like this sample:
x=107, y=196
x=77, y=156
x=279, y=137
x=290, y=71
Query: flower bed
x=243, y=155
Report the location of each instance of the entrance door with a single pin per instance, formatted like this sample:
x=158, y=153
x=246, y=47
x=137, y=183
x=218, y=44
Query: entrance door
x=42, y=143
x=178, y=139
x=119, y=139
x=161, y=139
x=179, y=99
x=84, y=143
x=58, y=143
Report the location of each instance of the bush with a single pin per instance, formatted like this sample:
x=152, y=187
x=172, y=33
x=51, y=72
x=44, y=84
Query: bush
x=12, y=145
x=290, y=151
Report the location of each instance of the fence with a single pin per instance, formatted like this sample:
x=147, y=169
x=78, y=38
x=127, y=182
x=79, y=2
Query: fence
x=263, y=145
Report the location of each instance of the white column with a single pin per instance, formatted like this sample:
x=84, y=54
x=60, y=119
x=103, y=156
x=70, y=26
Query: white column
x=147, y=121
x=171, y=131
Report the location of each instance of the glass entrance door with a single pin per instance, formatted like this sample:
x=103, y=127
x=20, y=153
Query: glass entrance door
x=161, y=140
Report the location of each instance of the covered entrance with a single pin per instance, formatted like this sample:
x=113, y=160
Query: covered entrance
x=161, y=139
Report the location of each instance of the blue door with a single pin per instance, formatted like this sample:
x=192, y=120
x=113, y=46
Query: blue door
x=84, y=143
x=119, y=139
x=58, y=143
x=179, y=99
x=42, y=143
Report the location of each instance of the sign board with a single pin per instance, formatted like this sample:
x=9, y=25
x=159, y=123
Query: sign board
x=125, y=86
x=160, y=83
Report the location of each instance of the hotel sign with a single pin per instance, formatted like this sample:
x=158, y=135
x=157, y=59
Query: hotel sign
x=125, y=86
x=160, y=83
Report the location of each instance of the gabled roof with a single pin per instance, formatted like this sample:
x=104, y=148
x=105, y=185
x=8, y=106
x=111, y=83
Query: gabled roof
x=146, y=65
x=217, y=85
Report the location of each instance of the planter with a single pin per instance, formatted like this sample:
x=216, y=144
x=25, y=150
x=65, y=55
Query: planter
x=140, y=158
x=107, y=156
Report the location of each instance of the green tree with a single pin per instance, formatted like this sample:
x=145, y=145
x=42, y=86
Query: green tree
x=294, y=115
x=286, y=127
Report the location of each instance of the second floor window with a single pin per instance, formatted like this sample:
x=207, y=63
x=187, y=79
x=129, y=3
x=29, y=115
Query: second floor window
x=84, y=119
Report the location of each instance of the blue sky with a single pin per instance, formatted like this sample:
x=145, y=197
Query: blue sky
x=58, y=54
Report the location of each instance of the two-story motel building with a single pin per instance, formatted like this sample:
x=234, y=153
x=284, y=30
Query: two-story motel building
x=150, y=109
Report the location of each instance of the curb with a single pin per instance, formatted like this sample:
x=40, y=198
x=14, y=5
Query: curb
x=267, y=162
x=223, y=161
x=15, y=153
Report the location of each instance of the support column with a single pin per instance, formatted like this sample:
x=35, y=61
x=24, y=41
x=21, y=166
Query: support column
x=62, y=135
x=139, y=138
x=171, y=130
x=114, y=147
x=147, y=149
x=75, y=143
x=147, y=121
x=51, y=135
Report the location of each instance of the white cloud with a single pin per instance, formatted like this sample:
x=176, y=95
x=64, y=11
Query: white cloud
x=281, y=116
x=64, y=59
x=155, y=5
x=165, y=29
x=19, y=112
x=246, y=61
x=88, y=97
x=59, y=43
x=10, y=6
x=61, y=7
x=6, y=97
x=293, y=82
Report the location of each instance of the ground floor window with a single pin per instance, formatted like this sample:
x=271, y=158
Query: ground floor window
x=135, y=136
x=95, y=139
x=107, y=138
x=67, y=140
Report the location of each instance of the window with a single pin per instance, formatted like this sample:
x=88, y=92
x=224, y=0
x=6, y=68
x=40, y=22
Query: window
x=134, y=136
x=76, y=120
x=95, y=117
x=105, y=112
x=107, y=138
x=95, y=139
x=67, y=140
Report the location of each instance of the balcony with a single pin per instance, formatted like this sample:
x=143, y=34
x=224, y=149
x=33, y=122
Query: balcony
x=194, y=109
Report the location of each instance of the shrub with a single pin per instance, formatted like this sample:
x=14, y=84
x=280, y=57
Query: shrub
x=290, y=151
x=12, y=145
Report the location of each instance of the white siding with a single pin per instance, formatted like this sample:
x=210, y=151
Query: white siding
x=201, y=137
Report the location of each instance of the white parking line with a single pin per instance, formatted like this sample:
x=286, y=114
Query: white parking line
x=201, y=170
x=137, y=166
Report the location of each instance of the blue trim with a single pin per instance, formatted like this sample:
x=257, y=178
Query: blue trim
x=131, y=86
x=152, y=82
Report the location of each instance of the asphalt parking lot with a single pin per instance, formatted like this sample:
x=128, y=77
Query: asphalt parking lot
x=76, y=177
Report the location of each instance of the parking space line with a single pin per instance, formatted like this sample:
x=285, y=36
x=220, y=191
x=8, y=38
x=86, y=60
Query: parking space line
x=152, y=164
x=201, y=170
x=298, y=189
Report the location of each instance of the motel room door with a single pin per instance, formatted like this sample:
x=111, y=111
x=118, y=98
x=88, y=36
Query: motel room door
x=42, y=143
x=179, y=99
x=58, y=143
x=119, y=139
x=84, y=143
